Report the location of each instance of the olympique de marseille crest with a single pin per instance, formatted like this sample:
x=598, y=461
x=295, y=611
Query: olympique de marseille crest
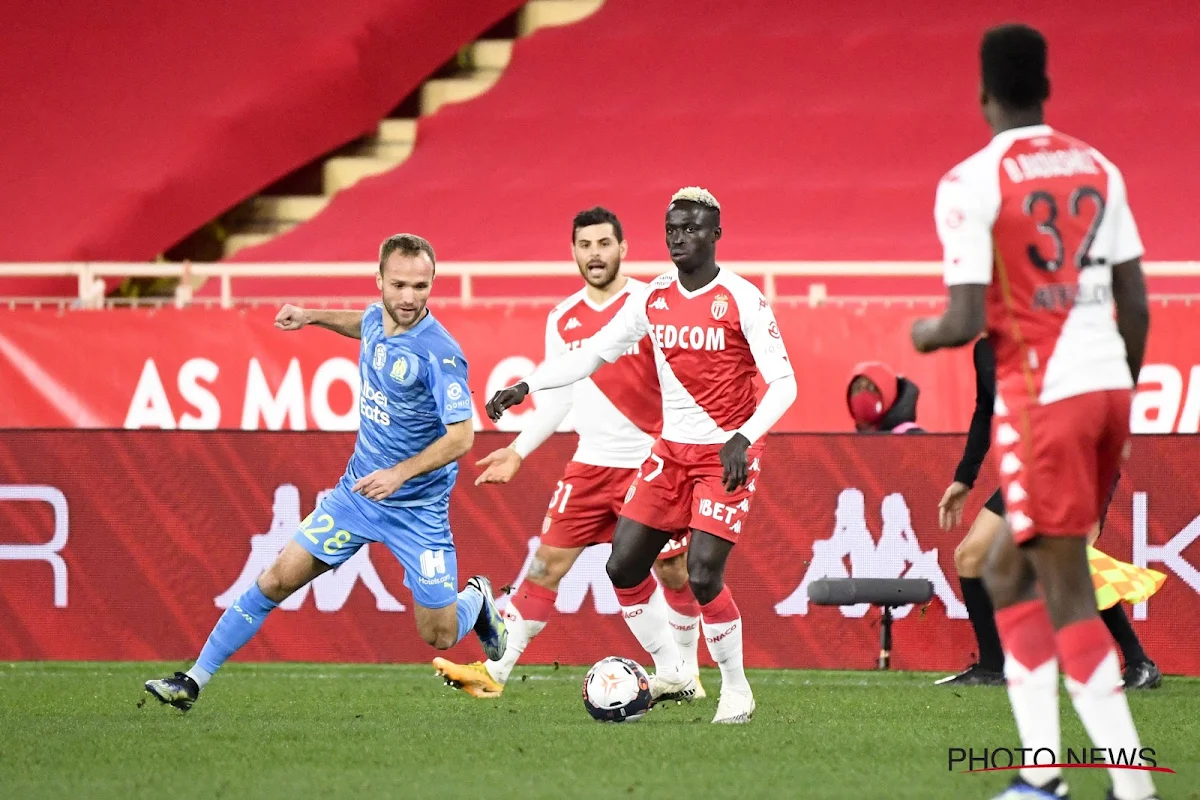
x=720, y=305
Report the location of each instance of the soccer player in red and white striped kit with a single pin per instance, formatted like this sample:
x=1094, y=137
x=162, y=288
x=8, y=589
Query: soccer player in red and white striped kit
x=713, y=332
x=617, y=413
x=1041, y=248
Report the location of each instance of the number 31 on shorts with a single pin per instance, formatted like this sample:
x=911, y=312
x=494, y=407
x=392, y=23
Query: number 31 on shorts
x=563, y=489
x=316, y=534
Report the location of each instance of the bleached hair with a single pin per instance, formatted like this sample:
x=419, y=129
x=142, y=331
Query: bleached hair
x=696, y=194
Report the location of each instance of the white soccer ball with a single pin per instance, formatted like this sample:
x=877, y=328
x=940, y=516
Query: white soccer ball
x=616, y=690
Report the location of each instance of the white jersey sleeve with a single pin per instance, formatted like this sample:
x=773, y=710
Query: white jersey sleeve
x=624, y=330
x=1117, y=239
x=968, y=199
x=766, y=344
x=553, y=405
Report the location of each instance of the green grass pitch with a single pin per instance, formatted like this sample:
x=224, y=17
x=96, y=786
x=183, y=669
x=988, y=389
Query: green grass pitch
x=76, y=730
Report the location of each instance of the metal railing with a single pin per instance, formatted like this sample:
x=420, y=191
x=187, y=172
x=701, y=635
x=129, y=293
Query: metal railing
x=91, y=285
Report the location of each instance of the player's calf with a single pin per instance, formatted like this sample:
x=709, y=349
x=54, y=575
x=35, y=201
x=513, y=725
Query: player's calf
x=1089, y=660
x=550, y=565
x=294, y=567
x=683, y=613
x=1061, y=566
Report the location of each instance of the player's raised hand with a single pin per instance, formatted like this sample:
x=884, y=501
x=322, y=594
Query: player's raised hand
x=733, y=462
x=950, y=510
x=380, y=484
x=505, y=399
x=501, y=465
x=291, y=318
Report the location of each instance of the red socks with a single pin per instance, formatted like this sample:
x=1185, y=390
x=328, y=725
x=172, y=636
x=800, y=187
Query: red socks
x=534, y=602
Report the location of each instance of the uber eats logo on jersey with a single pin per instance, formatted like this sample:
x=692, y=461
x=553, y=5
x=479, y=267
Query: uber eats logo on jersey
x=372, y=404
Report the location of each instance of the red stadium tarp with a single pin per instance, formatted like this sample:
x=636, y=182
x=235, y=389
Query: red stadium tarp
x=129, y=124
x=823, y=128
x=232, y=369
x=120, y=545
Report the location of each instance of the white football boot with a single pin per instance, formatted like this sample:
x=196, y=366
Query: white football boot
x=734, y=708
x=679, y=687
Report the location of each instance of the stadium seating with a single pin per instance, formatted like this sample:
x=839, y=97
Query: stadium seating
x=796, y=115
x=127, y=125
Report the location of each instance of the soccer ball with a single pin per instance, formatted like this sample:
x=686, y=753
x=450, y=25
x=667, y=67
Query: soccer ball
x=616, y=690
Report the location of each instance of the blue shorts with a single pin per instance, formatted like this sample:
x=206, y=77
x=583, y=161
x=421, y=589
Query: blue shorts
x=418, y=536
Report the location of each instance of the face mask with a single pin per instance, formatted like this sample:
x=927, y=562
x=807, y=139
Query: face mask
x=866, y=407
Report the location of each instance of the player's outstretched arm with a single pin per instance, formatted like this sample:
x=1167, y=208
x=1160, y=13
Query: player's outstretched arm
x=562, y=371
x=1133, y=312
x=621, y=333
x=347, y=323
x=383, y=483
x=500, y=466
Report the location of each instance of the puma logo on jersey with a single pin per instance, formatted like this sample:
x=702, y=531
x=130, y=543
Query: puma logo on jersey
x=452, y=361
x=572, y=324
x=688, y=337
x=660, y=304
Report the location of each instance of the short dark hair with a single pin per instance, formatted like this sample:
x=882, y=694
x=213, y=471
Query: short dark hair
x=1013, y=59
x=406, y=244
x=597, y=215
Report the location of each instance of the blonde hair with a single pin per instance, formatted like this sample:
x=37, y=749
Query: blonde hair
x=696, y=194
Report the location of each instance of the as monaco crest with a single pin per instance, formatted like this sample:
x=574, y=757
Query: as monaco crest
x=720, y=305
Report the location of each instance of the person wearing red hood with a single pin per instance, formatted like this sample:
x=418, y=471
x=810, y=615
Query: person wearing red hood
x=881, y=401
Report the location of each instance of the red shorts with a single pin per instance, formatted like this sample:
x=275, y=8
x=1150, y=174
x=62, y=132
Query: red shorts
x=679, y=489
x=585, y=505
x=1058, y=462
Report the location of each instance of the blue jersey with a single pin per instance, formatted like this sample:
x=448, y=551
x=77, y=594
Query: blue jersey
x=414, y=384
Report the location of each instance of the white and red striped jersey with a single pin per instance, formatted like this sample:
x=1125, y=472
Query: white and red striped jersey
x=709, y=344
x=617, y=412
x=1042, y=218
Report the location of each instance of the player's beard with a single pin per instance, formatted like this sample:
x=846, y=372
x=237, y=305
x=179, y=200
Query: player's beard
x=604, y=279
x=402, y=318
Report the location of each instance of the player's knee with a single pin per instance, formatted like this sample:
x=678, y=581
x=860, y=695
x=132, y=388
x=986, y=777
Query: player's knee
x=1007, y=583
x=621, y=572
x=439, y=636
x=444, y=639
x=969, y=558
x=706, y=584
x=277, y=585
x=672, y=572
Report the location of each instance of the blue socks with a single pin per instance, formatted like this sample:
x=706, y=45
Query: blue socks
x=469, y=603
x=237, y=626
x=242, y=620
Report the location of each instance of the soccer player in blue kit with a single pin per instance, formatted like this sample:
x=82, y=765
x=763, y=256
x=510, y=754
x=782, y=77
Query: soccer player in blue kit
x=415, y=422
